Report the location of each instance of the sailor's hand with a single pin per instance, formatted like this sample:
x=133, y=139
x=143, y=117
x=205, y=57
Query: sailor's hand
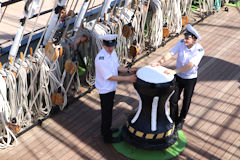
x=170, y=72
x=155, y=64
x=159, y=63
x=132, y=78
x=133, y=70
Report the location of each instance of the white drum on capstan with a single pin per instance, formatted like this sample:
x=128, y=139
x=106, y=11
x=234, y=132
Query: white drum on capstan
x=154, y=74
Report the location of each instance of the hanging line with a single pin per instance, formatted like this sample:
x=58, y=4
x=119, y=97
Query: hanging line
x=68, y=23
x=29, y=11
x=156, y=24
x=44, y=76
x=4, y=117
x=31, y=34
x=37, y=49
x=2, y=14
x=143, y=21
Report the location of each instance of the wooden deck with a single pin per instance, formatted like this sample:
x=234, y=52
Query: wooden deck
x=212, y=125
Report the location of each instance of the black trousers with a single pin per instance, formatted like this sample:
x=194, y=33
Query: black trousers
x=107, y=101
x=187, y=86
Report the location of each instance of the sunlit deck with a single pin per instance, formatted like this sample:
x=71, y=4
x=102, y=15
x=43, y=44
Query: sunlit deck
x=212, y=125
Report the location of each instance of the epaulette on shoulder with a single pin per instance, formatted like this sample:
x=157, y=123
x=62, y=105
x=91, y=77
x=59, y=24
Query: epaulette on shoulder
x=182, y=40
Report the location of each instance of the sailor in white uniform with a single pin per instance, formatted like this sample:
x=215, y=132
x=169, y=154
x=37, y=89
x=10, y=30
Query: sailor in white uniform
x=106, y=82
x=190, y=53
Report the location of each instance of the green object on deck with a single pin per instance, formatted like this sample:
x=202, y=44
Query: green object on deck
x=233, y=5
x=133, y=152
x=195, y=6
x=81, y=71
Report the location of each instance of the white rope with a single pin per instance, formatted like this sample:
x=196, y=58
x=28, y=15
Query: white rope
x=156, y=24
x=11, y=84
x=6, y=135
x=176, y=17
x=68, y=23
x=56, y=82
x=23, y=113
x=32, y=67
x=184, y=5
x=33, y=28
x=43, y=92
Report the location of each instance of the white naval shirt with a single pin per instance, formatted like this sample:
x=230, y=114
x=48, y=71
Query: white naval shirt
x=106, y=66
x=185, y=55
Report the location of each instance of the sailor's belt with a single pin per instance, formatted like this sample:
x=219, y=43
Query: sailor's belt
x=149, y=135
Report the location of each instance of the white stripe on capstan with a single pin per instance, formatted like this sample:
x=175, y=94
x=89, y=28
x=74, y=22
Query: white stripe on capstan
x=154, y=114
x=139, y=109
x=166, y=112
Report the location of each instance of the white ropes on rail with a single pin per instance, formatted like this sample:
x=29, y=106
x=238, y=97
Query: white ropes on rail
x=11, y=85
x=206, y=5
x=186, y=7
x=32, y=69
x=6, y=135
x=175, y=20
x=22, y=88
x=43, y=94
x=156, y=23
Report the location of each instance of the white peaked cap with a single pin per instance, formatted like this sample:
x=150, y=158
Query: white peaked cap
x=108, y=37
x=193, y=31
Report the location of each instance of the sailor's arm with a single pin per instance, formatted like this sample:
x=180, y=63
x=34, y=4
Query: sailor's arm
x=165, y=58
x=130, y=78
x=127, y=70
x=179, y=70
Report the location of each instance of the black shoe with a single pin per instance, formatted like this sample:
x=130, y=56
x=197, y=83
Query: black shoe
x=180, y=125
x=112, y=139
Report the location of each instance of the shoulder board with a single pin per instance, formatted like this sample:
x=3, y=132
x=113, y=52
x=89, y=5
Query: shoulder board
x=200, y=49
x=182, y=40
x=101, y=58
